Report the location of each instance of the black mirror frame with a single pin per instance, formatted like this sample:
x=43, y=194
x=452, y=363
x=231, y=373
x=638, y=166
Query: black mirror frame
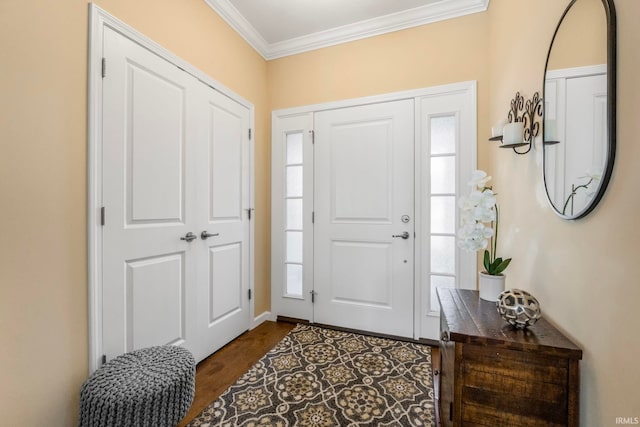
x=610, y=12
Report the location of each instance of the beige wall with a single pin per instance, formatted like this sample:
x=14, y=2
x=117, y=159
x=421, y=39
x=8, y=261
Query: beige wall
x=445, y=52
x=43, y=257
x=583, y=272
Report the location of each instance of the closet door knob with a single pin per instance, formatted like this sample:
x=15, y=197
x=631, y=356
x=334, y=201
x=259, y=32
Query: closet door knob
x=205, y=235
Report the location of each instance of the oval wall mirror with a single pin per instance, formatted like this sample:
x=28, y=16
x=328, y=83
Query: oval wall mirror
x=579, y=126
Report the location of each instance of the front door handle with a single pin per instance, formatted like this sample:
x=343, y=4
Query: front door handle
x=189, y=237
x=205, y=235
x=404, y=235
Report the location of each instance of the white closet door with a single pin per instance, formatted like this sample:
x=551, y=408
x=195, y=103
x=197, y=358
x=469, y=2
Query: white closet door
x=175, y=161
x=364, y=185
x=148, y=174
x=222, y=203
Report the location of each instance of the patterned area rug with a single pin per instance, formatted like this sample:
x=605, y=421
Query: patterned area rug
x=321, y=378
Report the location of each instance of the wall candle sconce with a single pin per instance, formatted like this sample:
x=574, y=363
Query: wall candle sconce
x=524, y=124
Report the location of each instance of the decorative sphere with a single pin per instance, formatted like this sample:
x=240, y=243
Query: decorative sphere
x=519, y=308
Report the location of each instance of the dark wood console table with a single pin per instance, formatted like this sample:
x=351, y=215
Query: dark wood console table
x=492, y=374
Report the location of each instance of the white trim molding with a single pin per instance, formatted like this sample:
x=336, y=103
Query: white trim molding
x=434, y=12
x=264, y=317
x=588, y=70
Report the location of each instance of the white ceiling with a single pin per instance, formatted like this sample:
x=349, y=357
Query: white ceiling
x=278, y=28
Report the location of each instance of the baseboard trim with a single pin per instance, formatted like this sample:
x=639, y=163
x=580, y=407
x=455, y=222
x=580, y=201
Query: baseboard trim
x=261, y=318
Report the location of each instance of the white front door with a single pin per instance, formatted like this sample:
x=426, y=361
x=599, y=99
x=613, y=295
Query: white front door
x=222, y=221
x=364, y=204
x=175, y=160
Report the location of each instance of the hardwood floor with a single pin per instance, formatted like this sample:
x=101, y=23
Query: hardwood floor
x=219, y=371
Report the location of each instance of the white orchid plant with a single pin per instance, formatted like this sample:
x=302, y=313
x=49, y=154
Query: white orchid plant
x=479, y=221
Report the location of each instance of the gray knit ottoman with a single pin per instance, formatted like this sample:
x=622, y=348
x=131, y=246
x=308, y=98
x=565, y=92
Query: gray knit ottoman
x=151, y=387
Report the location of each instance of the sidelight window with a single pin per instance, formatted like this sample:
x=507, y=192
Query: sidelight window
x=442, y=195
x=294, y=214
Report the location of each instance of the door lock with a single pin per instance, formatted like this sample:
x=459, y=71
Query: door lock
x=404, y=235
x=189, y=237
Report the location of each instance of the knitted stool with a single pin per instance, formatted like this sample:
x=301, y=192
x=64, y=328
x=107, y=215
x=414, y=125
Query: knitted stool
x=151, y=387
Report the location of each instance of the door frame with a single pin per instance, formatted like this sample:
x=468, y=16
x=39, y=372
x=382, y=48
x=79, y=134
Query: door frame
x=99, y=19
x=469, y=88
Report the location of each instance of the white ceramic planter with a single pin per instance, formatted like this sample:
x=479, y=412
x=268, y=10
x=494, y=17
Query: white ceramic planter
x=490, y=286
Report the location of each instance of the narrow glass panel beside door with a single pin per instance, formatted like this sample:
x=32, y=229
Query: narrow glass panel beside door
x=293, y=212
x=443, y=135
x=443, y=214
x=443, y=159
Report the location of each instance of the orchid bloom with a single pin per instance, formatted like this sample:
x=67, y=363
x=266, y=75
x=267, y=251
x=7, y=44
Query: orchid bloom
x=479, y=179
x=479, y=222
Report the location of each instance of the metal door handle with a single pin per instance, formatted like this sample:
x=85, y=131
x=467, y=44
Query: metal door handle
x=189, y=237
x=404, y=235
x=205, y=235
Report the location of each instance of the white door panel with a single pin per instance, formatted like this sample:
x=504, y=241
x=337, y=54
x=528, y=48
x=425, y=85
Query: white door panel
x=362, y=273
x=148, y=200
x=159, y=279
x=364, y=184
x=154, y=147
x=225, y=281
x=361, y=171
x=226, y=161
x=223, y=196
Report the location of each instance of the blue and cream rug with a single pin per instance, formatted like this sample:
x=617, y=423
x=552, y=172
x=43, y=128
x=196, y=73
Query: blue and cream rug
x=322, y=378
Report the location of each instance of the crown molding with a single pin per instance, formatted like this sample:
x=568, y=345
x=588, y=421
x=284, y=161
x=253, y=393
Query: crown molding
x=237, y=21
x=427, y=14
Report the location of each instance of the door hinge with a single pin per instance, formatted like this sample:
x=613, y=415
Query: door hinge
x=104, y=359
x=102, y=216
x=249, y=213
x=313, y=136
x=249, y=134
x=104, y=67
x=249, y=292
x=313, y=297
x=313, y=217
